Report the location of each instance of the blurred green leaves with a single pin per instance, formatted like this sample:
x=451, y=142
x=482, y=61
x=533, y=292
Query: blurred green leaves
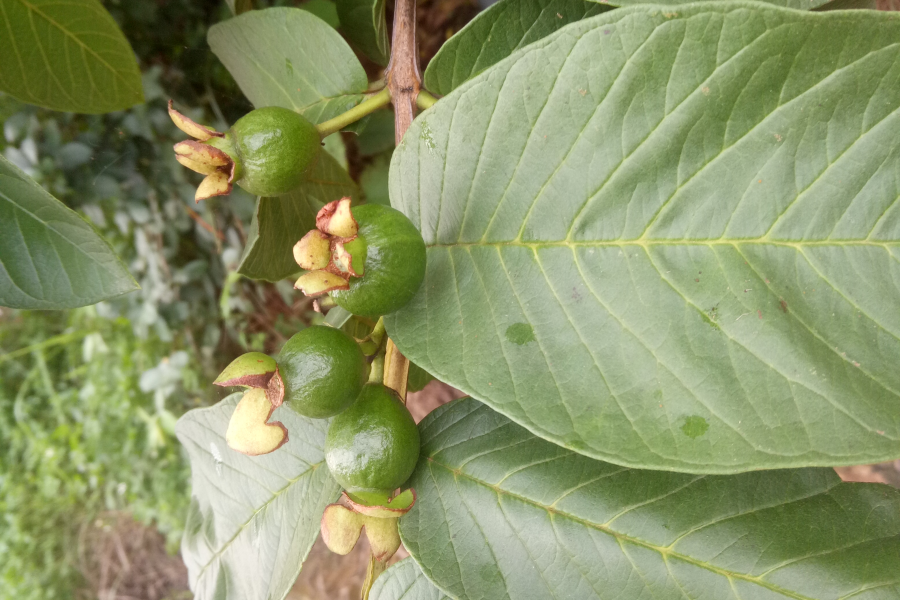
x=363, y=22
x=290, y=58
x=67, y=55
x=87, y=427
x=49, y=256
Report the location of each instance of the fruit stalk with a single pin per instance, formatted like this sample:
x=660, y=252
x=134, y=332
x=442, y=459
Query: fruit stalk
x=425, y=100
x=367, y=106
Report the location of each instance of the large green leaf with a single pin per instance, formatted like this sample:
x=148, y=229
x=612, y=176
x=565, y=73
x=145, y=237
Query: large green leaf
x=290, y=58
x=364, y=24
x=280, y=222
x=252, y=520
x=512, y=24
x=66, y=55
x=795, y=4
x=496, y=33
x=504, y=514
x=671, y=240
x=405, y=581
x=49, y=256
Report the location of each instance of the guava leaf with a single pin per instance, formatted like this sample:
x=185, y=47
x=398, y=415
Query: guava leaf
x=795, y=4
x=418, y=378
x=50, y=257
x=677, y=242
x=279, y=222
x=405, y=581
x=504, y=514
x=252, y=520
x=67, y=55
x=288, y=57
x=848, y=5
x=363, y=22
x=496, y=33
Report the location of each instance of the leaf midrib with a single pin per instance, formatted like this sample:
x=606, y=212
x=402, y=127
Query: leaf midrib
x=227, y=544
x=665, y=552
x=797, y=245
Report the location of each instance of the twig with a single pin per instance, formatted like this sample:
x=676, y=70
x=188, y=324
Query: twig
x=425, y=100
x=402, y=74
x=362, y=109
x=403, y=80
x=202, y=223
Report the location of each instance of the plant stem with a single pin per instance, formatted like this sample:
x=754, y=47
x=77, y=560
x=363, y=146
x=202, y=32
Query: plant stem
x=402, y=73
x=403, y=81
x=425, y=100
x=375, y=568
x=356, y=113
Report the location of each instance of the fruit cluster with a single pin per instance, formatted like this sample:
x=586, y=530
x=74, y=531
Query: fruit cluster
x=371, y=259
x=372, y=443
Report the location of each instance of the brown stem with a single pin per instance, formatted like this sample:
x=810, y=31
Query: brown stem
x=403, y=80
x=402, y=73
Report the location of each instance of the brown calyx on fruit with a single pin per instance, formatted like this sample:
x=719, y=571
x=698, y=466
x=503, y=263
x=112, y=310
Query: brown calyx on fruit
x=392, y=509
x=275, y=390
x=336, y=219
x=202, y=158
x=342, y=254
x=341, y=527
x=331, y=254
x=253, y=369
x=191, y=127
x=249, y=431
x=319, y=283
x=313, y=251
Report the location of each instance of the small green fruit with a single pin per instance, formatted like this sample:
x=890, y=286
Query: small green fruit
x=323, y=370
x=272, y=148
x=267, y=152
x=394, y=263
x=374, y=444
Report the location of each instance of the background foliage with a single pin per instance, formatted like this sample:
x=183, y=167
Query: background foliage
x=89, y=398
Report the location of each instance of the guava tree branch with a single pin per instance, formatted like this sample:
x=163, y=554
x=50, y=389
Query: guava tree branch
x=403, y=81
x=402, y=74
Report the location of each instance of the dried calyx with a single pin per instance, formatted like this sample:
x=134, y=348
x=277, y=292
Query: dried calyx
x=378, y=512
x=341, y=527
x=332, y=253
x=249, y=430
x=202, y=156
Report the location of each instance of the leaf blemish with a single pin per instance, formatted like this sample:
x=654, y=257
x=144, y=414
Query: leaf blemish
x=428, y=137
x=694, y=426
x=520, y=333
